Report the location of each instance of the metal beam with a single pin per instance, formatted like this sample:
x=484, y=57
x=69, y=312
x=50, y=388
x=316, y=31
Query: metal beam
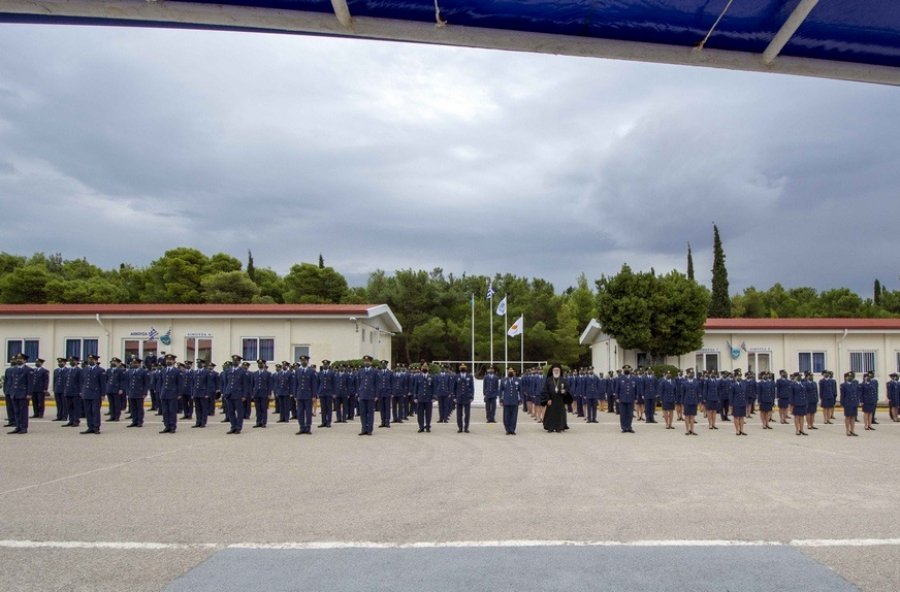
x=788, y=29
x=291, y=21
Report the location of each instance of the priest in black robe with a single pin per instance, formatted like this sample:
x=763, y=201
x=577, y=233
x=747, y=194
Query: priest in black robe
x=555, y=396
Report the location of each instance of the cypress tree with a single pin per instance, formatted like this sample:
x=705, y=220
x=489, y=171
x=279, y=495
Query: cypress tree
x=690, y=273
x=251, y=270
x=878, y=292
x=321, y=261
x=720, y=303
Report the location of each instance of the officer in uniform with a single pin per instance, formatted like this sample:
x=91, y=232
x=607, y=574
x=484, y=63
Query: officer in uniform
x=114, y=388
x=783, y=394
x=423, y=385
x=225, y=388
x=72, y=391
x=283, y=391
x=260, y=390
x=92, y=391
x=170, y=388
x=510, y=397
x=40, y=387
x=850, y=402
x=442, y=393
x=666, y=390
x=385, y=393
x=491, y=390
x=627, y=393
x=690, y=400
x=187, y=395
x=7, y=399
x=137, y=382
x=59, y=389
x=893, y=395
x=367, y=390
x=327, y=390
x=812, y=399
x=650, y=392
x=306, y=390
x=18, y=383
x=341, y=394
x=399, y=391
x=202, y=391
x=798, y=402
x=463, y=396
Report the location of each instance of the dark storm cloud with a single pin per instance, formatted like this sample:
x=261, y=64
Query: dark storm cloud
x=122, y=143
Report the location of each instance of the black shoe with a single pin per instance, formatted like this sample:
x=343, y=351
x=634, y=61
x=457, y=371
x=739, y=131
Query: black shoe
x=59, y=419
x=466, y=430
x=196, y=426
x=15, y=431
x=630, y=431
x=421, y=430
x=458, y=431
x=87, y=432
x=10, y=425
x=651, y=421
x=131, y=425
x=363, y=434
x=257, y=426
x=166, y=431
x=428, y=430
x=225, y=421
x=282, y=421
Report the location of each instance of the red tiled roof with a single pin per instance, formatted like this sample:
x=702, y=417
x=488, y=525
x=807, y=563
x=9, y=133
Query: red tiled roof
x=801, y=324
x=185, y=309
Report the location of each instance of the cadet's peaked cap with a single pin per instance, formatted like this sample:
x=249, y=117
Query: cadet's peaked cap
x=367, y=358
x=893, y=375
x=260, y=361
x=74, y=359
x=626, y=367
x=385, y=362
x=463, y=367
x=171, y=356
x=116, y=360
x=201, y=361
x=236, y=357
x=245, y=363
x=283, y=363
x=93, y=357
x=326, y=362
x=304, y=358
x=39, y=360
x=60, y=359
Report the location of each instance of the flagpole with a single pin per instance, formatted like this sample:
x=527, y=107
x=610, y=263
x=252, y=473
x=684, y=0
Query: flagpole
x=522, y=354
x=491, y=313
x=506, y=334
x=473, y=332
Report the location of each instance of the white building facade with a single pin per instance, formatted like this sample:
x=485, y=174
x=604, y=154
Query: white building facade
x=838, y=345
x=274, y=332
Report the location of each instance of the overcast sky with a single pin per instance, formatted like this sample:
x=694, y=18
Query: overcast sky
x=117, y=144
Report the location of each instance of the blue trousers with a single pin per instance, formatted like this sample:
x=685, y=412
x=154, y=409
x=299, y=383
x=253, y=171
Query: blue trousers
x=37, y=403
x=397, y=404
x=626, y=414
x=463, y=413
x=367, y=415
x=201, y=408
x=384, y=409
x=73, y=404
x=62, y=412
x=262, y=410
x=579, y=405
x=137, y=409
x=326, y=404
x=443, y=408
x=423, y=414
x=304, y=414
x=169, y=408
x=510, y=417
x=235, y=413
x=20, y=414
x=591, y=406
x=92, y=413
x=490, y=408
x=284, y=407
x=649, y=408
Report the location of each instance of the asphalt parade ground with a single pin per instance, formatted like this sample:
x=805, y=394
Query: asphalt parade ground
x=589, y=509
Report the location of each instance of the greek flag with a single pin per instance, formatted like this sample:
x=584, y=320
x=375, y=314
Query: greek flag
x=153, y=334
x=490, y=292
x=501, y=308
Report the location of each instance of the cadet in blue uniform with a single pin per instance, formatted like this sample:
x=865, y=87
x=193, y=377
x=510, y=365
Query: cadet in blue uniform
x=711, y=399
x=893, y=395
x=73, y=392
x=423, y=394
x=510, y=397
x=666, y=390
x=783, y=394
x=650, y=394
x=215, y=388
x=798, y=402
x=385, y=394
x=367, y=391
x=170, y=387
x=327, y=391
x=812, y=400
x=874, y=382
x=341, y=394
x=827, y=395
x=726, y=387
x=59, y=389
x=868, y=395
x=187, y=395
x=137, y=383
x=592, y=394
x=260, y=391
x=850, y=402
x=738, y=403
x=283, y=391
x=690, y=398
x=203, y=393
x=7, y=399
x=399, y=390
x=17, y=384
x=114, y=388
x=40, y=388
x=491, y=390
x=442, y=392
x=626, y=394
x=463, y=396
x=306, y=387
x=93, y=387
x=765, y=393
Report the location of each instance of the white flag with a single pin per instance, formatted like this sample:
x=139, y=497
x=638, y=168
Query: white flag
x=501, y=308
x=517, y=328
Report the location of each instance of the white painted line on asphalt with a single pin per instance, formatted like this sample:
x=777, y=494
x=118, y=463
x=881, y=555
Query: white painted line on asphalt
x=317, y=546
x=122, y=546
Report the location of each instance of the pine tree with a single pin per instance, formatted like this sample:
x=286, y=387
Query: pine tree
x=690, y=271
x=720, y=303
x=877, y=292
x=251, y=270
x=321, y=262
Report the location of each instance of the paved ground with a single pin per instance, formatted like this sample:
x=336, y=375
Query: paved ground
x=188, y=497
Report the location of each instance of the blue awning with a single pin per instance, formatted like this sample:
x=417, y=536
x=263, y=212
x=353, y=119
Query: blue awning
x=845, y=39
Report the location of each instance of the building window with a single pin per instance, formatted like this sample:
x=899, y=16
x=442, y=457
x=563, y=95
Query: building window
x=363, y=335
x=201, y=347
x=138, y=349
x=812, y=362
x=707, y=362
x=29, y=347
x=301, y=350
x=862, y=362
x=258, y=348
x=82, y=347
x=898, y=361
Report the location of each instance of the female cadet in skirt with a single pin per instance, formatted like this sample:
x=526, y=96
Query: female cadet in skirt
x=690, y=398
x=850, y=402
x=798, y=403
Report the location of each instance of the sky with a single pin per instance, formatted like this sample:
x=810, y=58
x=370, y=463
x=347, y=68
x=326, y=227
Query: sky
x=117, y=144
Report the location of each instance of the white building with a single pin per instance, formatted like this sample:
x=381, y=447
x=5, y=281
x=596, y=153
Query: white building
x=839, y=345
x=275, y=332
